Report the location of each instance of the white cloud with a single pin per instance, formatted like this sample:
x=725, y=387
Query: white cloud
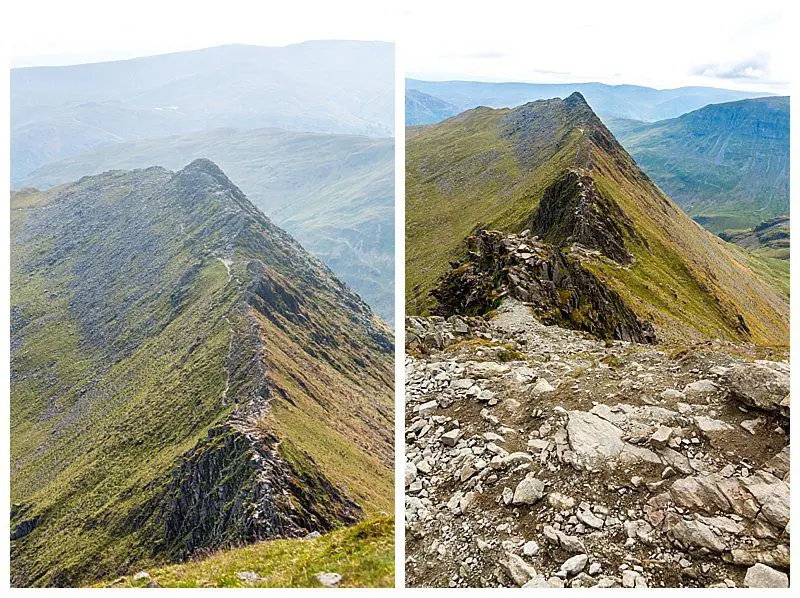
x=684, y=42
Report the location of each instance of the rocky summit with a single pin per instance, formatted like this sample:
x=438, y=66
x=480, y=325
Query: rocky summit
x=184, y=378
x=540, y=456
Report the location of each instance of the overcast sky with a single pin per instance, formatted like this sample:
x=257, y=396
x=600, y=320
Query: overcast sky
x=56, y=32
x=737, y=45
x=740, y=45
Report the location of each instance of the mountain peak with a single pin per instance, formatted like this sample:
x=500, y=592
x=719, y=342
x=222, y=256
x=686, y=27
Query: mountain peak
x=575, y=97
x=203, y=167
x=553, y=168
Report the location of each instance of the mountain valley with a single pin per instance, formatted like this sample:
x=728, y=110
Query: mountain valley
x=726, y=165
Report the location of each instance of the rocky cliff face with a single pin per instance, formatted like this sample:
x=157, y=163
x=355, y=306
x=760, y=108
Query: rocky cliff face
x=572, y=210
x=555, y=285
x=173, y=352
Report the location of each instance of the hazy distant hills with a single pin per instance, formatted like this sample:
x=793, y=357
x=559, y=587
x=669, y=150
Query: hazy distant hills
x=334, y=193
x=323, y=86
x=423, y=109
x=621, y=101
x=726, y=164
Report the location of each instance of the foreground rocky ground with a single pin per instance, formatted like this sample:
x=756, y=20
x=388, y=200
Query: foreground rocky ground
x=541, y=457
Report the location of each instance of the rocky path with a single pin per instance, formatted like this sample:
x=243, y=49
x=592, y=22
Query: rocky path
x=541, y=457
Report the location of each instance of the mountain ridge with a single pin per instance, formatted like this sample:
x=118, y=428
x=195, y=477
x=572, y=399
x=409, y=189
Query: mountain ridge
x=334, y=193
x=167, y=376
x=488, y=169
x=621, y=101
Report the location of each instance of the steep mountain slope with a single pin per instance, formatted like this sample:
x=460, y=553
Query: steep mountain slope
x=333, y=193
x=621, y=101
x=423, y=108
x=552, y=168
x=184, y=376
x=324, y=86
x=726, y=165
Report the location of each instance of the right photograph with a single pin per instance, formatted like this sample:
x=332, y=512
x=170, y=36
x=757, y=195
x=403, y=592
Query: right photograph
x=597, y=298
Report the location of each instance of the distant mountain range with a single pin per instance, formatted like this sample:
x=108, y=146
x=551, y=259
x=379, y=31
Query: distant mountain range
x=621, y=255
x=726, y=165
x=620, y=101
x=334, y=193
x=185, y=377
x=321, y=86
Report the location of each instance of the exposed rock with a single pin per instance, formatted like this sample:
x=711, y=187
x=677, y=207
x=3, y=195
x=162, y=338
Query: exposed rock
x=763, y=385
x=707, y=424
x=451, y=438
x=530, y=548
x=595, y=442
x=249, y=577
x=560, y=289
x=761, y=576
x=411, y=473
x=329, y=580
x=574, y=565
x=700, y=387
x=661, y=436
x=518, y=570
x=630, y=481
x=529, y=491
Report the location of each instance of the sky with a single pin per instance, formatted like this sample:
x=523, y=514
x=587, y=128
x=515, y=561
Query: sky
x=58, y=32
x=730, y=44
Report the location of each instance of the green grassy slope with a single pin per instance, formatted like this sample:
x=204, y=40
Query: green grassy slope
x=363, y=555
x=489, y=168
x=158, y=320
x=726, y=165
x=333, y=193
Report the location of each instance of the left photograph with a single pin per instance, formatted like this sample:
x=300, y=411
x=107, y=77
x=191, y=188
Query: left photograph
x=202, y=312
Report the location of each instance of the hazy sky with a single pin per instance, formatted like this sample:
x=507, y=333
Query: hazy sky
x=741, y=45
x=738, y=45
x=51, y=32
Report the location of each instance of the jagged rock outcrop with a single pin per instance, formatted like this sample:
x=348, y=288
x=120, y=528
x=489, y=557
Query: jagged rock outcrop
x=559, y=289
x=572, y=210
x=234, y=488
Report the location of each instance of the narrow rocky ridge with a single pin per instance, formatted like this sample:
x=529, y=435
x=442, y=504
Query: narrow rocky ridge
x=149, y=288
